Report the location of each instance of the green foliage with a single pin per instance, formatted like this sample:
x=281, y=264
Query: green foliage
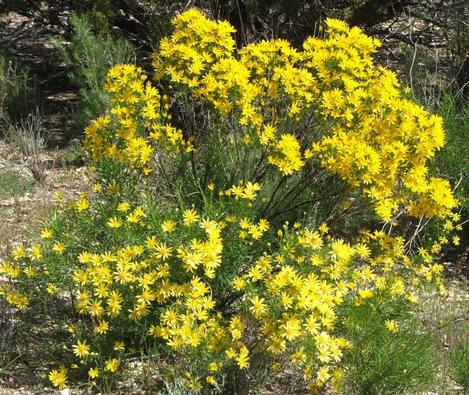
x=91, y=54
x=102, y=14
x=451, y=163
x=452, y=160
x=73, y=155
x=384, y=361
x=459, y=365
x=18, y=93
x=13, y=184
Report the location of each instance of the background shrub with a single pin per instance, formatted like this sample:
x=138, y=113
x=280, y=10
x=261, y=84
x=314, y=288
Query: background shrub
x=91, y=53
x=18, y=91
x=459, y=365
x=387, y=360
x=27, y=136
x=450, y=161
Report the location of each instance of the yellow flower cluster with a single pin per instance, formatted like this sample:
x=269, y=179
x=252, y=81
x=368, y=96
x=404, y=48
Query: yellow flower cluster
x=248, y=191
x=327, y=101
x=165, y=285
x=137, y=122
x=145, y=270
x=294, y=294
x=196, y=53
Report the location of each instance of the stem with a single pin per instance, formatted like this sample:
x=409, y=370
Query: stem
x=302, y=204
x=282, y=180
x=165, y=176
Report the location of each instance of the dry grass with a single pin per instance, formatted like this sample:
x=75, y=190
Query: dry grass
x=24, y=205
x=448, y=318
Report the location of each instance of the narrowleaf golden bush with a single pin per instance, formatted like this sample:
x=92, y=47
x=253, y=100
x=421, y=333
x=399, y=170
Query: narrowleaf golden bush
x=209, y=236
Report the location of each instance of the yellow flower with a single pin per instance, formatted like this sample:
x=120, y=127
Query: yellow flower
x=36, y=252
x=323, y=228
x=119, y=346
x=123, y=207
x=81, y=349
x=112, y=365
x=189, y=217
x=163, y=251
x=168, y=226
x=336, y=24
x=96, y=309
x=93, y=373
x=365, y=293
x=288, y=156
x=291, y=328
x=250, y=190
x=263, y=225
x=19, y=252
x=71, y=329
x=312, y=324
x=52, y=289
x=46, y=234
x=84, y=257
x=258, y=306
x=102, y=327
x=114, y=303
x=114, y=223
x=29, y=270
x=135, y=216
x=58, y=377
x=245, y=223
x=362, y=250
x=239, y=283
x=242, y=358
x=323, y=375
x=58, y=247
x=310, y=239
x=82, y=204
x=299, y=356
x=391, y=325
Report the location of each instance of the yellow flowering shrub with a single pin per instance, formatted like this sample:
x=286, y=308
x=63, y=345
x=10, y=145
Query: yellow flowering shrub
x=327, y=105
x=171, y=277
x=183, y=244
x=327, y=101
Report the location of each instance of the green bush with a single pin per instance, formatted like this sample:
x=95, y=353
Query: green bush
x=91, y=54
x=73, y=155
x=8, y=328
x=459, y=365
x=451, y=161
x=391, y=352
x=18, y=92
